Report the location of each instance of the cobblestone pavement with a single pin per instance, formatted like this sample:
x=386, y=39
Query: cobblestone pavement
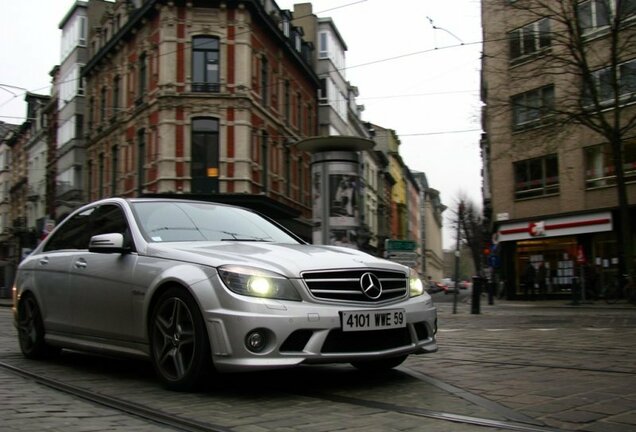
x=541, y=363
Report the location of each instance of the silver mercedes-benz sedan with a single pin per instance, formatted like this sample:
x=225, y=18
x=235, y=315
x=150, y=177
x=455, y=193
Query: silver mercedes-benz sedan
x=201, y=287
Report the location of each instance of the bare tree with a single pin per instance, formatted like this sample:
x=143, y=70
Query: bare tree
x=473, y=233
x=585, y=52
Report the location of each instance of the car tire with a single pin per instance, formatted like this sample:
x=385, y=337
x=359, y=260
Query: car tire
x=380, y=364
x=179, y=344
x=31, y=330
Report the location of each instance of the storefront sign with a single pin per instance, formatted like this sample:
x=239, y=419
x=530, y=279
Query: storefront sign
x=569, y=225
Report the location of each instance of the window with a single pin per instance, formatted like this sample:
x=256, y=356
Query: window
x=264, y=80
x=287, y=168
x=108, y=219
x=71, y=85
x=529, y=39
x=143, y=70
x=603, y=83
x=205, y=64
x=80, y=80
x=116, y=91
x=204, y=162
x=323, y=92
x=532, y=107
x=100, y=176
x=599, y=165
x=70, y=129
x=77, y=231
x=285, y=24
x=536, y=177
x=265, y=161
x=141, y=162
x=73, y=35
x=74, y=234
x=287, y=102
x=299, y=108
x=596, y=15
x=114, y=162
x=102, y=104
x=323, y=50
x=91, y=112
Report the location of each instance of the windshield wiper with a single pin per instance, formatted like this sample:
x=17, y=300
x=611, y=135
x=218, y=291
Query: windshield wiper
x=166, y=228
x=239, y=237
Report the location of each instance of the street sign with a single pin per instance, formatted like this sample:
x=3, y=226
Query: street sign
x=400, y=245
x=408, y=259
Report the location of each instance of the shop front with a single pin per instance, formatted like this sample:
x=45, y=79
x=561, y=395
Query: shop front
x=562, y=257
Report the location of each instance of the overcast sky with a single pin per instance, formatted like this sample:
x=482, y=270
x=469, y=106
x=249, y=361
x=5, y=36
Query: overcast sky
x=415, y=62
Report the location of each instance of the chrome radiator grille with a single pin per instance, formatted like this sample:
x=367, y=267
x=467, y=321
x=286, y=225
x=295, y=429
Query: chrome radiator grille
x=346, y=285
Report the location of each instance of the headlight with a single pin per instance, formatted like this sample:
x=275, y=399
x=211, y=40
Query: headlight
x=254, y=282
x=416, y=287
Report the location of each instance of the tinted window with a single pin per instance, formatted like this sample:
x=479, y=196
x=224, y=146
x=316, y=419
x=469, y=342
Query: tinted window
x=73, y=234
x=108, y=219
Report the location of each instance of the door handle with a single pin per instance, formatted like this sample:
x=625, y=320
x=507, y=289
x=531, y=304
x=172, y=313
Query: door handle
x=44, y=261
x=80, y=264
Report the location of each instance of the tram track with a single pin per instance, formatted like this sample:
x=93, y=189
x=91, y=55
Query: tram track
x=484, y=344
x=538, y=365
x=180, y=423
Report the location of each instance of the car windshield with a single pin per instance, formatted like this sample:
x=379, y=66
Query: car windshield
x=163, y=221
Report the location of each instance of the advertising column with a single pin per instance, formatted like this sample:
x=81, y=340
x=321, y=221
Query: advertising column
x=335, y=165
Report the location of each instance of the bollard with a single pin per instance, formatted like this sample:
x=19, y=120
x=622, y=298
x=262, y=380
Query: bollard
x=477, y=283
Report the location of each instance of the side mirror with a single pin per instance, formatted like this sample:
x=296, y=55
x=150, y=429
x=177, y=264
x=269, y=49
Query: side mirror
x=107, y=243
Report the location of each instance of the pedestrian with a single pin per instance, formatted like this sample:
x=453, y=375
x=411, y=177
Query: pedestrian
x=529, y=277
x=541, y=280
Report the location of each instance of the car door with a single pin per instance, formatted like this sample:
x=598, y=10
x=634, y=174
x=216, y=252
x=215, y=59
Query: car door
x=101, y=283
x=51, y=271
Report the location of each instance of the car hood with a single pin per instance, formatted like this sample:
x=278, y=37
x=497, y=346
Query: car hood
x=286, y=259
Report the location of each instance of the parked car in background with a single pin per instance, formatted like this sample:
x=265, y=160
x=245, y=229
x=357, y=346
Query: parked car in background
x=435, y=287
x=200, y=287
x=465, y=284
x=449, y=285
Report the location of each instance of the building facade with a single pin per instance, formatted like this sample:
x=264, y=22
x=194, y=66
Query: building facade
x=203, y=101
x=197, y=100
x=550, y=171
x=68, y=161
x=431, y=209
x=6, y=237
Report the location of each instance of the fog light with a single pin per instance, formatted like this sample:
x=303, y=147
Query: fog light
x=255, y=341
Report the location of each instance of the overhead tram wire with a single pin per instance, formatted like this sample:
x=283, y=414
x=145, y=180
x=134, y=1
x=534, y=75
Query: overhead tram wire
x=463, y=44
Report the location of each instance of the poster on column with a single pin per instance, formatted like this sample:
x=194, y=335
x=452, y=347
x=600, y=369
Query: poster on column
x=343, y=209
x=343, y=205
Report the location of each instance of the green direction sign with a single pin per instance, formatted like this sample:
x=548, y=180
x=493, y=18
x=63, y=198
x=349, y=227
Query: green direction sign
x=400, y=245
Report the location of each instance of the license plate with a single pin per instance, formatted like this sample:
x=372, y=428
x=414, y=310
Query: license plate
x=373, y=320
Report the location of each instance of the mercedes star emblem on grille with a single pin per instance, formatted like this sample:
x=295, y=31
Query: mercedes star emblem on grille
x=371, y=286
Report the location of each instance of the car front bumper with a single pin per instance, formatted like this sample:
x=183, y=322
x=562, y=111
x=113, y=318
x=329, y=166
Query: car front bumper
x=294, y=333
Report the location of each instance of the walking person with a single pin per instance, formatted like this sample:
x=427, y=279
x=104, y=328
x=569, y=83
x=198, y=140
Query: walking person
x=541, y=281
x=529, y=277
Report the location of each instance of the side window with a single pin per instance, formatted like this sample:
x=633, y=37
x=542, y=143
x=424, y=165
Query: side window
x=108, y=219
x=73, y=234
